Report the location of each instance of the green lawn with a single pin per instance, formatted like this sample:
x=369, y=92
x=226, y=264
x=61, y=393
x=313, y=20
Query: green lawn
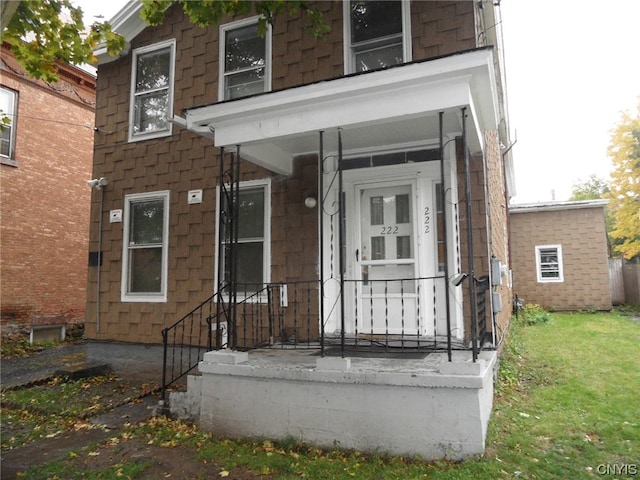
x=567, y=405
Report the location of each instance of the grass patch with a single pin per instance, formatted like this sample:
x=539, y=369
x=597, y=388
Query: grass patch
x=57, y=406
x=566, y=406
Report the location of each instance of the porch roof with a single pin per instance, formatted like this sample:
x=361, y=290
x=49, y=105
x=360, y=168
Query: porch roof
x=386, y=107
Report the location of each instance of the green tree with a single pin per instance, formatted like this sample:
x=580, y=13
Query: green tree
x=593, y=188
x=208, y=12
x=43, y=32
x=624, y=204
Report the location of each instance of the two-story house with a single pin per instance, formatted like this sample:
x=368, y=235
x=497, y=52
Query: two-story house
x=350, y=190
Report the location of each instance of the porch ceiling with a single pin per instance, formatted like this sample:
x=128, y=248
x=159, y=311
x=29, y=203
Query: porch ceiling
x=387, y=107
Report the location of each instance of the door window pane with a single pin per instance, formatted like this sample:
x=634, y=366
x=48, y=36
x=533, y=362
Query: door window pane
x=402, y=208
x=377, y=248
x=403, y=247
x=377, y=210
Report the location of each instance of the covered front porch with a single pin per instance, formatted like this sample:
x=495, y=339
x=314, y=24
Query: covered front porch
x=376, y=351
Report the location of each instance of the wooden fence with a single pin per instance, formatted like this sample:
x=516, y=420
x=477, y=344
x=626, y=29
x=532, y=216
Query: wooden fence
x=624, y=281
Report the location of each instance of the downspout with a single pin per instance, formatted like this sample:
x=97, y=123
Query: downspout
x=99, y=262
x=472, y=280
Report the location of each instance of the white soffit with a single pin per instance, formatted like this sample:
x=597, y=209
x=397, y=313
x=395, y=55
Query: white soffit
x=393, y=106
x=126, y=22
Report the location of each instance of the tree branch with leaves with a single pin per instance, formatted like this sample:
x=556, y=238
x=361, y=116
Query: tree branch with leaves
x=624, y=198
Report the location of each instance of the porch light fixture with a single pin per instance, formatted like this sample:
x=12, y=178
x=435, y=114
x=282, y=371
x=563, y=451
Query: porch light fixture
x=457, y=279
x=98, y=183
x=310, y=201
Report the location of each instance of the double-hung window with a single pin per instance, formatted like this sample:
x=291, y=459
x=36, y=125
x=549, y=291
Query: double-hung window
x=549, y=263
x=377, y=34
x=151, y=105
x=145, y=247
x=245, y=59
x=253, y=248
x=8, y=102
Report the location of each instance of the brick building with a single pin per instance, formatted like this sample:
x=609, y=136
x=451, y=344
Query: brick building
x=45, y=164
x=560, y=254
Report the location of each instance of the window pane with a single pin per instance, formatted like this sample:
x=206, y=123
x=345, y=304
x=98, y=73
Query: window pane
x=152, y=70
x=5, y=141
x=250, y=266
x=377, y=248
x=7, y=107
x=145, y=270
x=402, y=208
x=147, y=220
x=377, y=210
x=370, y=20
x=243, y=84
x=244, y=49
x=151, y=112
x=403, y=245
x=251, y=215
x=379, y=57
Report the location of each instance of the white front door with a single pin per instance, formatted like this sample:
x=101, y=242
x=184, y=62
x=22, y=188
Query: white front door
x=386, y=259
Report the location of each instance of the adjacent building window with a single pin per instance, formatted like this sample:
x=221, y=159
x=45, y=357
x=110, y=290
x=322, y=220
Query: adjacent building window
x=549, y=263
x=151, y=105
x=253, y=254
x=145, y=249
x=245, y=66
x=377, y=34
x=8, y=109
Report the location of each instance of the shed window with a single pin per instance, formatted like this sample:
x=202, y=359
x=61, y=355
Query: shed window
x=549, y=263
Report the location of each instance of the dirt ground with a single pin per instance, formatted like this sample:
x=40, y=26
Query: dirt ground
x=128, y=395
x=91, y=442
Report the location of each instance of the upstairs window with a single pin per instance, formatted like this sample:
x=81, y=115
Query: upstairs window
x=549, y=263
x=145, y=251
x=151, y=105
x=8, y=109
x=377, y=35
x=245, y=66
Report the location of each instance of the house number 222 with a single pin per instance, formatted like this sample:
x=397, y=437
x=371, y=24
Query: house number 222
x=427, y=220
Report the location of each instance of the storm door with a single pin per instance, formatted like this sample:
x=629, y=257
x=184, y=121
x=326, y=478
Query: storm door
x=386, y=259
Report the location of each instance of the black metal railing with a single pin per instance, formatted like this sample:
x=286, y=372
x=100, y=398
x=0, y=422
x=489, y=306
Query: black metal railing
x=276, y=314
x=186, y=341
x=385, y=316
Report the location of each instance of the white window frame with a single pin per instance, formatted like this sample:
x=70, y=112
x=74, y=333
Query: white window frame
x=349, y=57
x=223, y=29
x=266, y=253
x=126, y=295
x=135, y=137
x=560, y=277
x=12, y=114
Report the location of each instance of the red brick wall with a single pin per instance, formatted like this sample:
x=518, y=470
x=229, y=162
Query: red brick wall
x=45, y=202
x=581, y=232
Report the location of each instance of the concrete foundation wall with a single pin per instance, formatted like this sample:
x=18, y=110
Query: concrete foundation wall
x=431, y=407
